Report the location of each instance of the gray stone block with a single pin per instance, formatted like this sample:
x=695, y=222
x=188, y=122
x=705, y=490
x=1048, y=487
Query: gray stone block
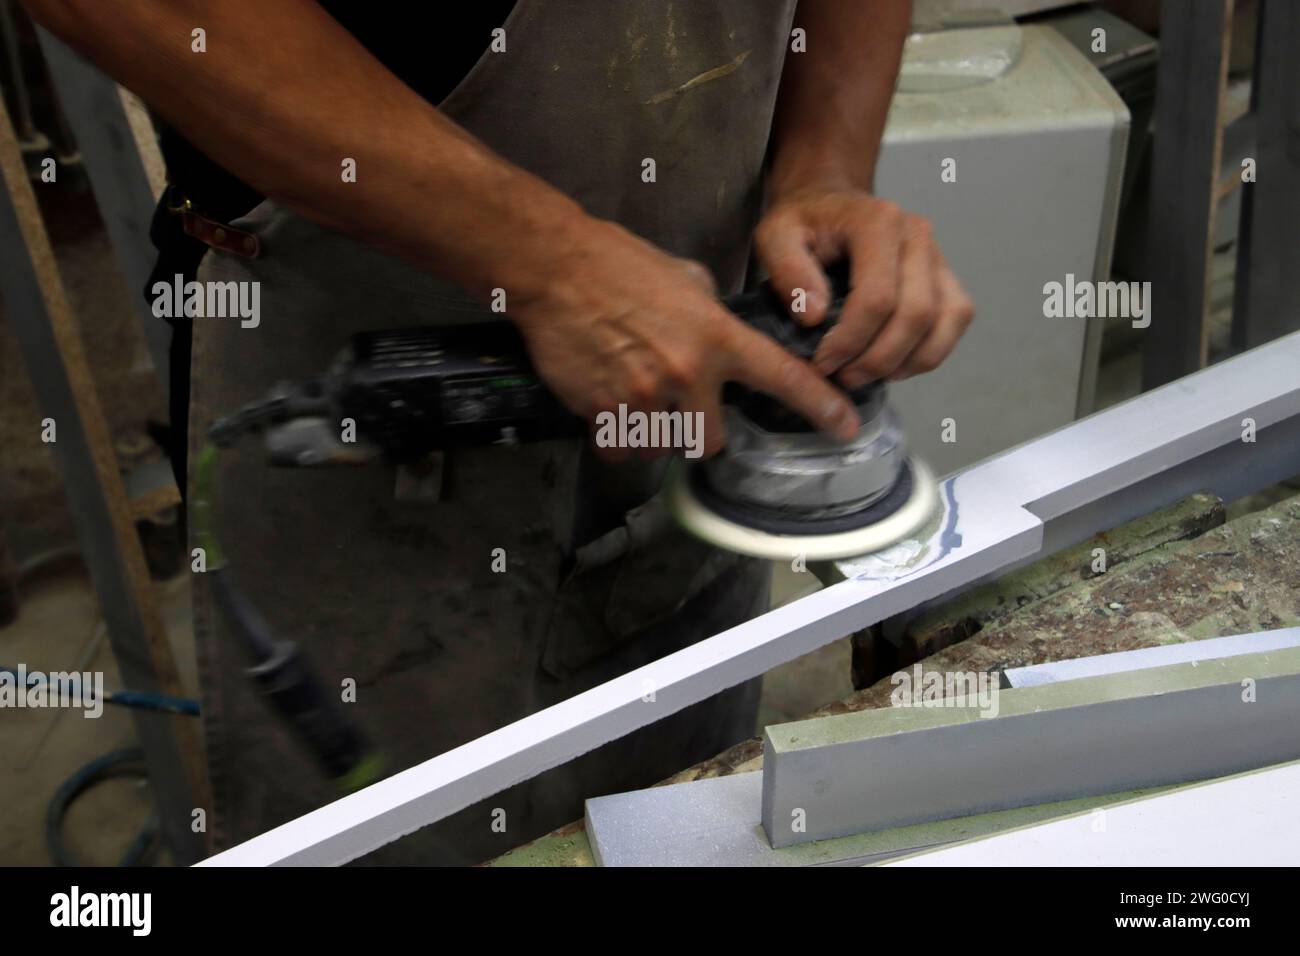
x=892, y=767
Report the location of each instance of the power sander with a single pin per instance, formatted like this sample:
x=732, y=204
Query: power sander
x=782, y=490
x=778, y=490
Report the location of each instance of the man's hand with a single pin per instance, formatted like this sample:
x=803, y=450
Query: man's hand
x=622, y=322
x=905, y=311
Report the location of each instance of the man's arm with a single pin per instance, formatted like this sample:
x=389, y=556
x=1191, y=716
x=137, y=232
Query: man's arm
x=284, y=94
x=906, y=310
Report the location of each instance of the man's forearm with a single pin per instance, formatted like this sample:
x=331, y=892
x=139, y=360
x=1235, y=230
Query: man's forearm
x=284, y=94
x=835, y=96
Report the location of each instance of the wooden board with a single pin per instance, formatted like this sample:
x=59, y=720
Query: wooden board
x=1194, y=39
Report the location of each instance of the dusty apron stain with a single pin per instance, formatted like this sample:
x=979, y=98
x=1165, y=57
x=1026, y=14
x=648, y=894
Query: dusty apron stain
x=401, y=597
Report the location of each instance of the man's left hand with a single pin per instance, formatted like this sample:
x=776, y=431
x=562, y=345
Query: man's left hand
x=905, y=311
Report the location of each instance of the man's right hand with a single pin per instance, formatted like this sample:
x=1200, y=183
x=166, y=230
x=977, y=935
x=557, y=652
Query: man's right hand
x=619, y=321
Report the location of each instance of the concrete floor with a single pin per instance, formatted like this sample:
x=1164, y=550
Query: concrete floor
x=59, y=629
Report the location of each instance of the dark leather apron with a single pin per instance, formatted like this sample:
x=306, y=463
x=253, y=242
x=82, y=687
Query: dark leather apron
x=402, y=596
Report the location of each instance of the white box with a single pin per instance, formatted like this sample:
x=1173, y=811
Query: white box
x=1039, y=158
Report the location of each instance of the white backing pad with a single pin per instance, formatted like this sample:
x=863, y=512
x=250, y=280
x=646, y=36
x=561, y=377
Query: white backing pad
x=712, y=527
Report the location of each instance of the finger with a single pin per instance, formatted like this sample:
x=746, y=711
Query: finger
x=794, y=272
x=875, y=243
x=707, y=425
x=698, y=275
x=955, y=314
x=761, y=364
x=914, y=316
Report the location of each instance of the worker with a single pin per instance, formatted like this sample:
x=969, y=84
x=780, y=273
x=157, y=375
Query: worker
x=606, y=170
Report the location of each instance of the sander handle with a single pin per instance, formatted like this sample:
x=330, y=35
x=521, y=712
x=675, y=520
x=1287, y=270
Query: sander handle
x=764, y=310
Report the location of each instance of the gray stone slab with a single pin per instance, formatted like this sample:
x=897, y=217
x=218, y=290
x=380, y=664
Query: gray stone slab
x=1146, y=657
x=714, y=822
x=891, y=767
x=710, y=822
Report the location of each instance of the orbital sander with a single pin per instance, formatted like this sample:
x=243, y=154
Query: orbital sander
x=781, y=489
x=778, y=490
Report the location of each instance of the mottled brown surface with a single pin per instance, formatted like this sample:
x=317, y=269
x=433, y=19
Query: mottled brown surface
x=958, y=619
x=1238, y=577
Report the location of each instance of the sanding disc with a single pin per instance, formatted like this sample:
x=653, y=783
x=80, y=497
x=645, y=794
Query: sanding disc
x=893, y=525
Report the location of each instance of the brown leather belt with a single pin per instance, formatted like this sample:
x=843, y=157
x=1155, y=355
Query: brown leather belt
x=218, y=235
